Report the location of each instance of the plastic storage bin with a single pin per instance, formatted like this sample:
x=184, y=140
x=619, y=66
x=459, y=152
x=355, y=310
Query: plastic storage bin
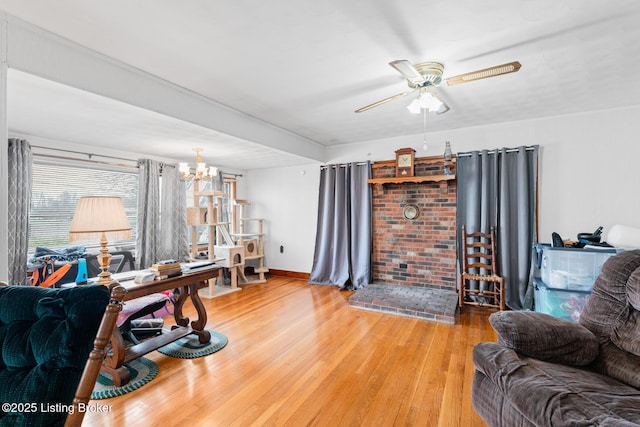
x=567, y=304
x=569, y=268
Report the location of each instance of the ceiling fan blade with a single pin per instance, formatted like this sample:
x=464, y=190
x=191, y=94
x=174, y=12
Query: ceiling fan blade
x=409, y=72
x=498, y=70
x=382, y=101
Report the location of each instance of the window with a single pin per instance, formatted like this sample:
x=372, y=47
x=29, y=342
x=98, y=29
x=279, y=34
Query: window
x=55, y=192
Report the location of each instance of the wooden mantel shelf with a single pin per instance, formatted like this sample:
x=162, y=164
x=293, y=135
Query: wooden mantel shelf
x=412, y=179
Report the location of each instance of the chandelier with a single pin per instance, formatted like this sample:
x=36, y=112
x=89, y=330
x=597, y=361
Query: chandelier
x=202, y=172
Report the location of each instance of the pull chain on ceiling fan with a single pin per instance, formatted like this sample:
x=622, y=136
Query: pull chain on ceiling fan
x=426, y=75
x=424, y=128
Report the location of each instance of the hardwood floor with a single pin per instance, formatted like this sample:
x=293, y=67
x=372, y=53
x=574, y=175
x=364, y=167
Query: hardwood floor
x=298, y=355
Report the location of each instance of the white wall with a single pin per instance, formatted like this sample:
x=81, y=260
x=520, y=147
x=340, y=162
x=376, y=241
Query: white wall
x=287, y=198
x=589, y=172
x=589, y=176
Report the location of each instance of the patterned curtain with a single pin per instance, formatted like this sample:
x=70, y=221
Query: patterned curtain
x=174, y=242
x=20, y=161
x=148, y=231
x=162, y=214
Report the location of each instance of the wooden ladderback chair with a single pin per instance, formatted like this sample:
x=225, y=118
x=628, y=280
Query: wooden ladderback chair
x=479, y=283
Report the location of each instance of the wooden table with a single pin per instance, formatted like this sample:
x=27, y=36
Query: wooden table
x=187, y=285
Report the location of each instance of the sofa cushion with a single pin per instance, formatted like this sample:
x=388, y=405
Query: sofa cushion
x=633, y=289
x=551, y=394
x=626, y=331
x=608, y=309
x=493, y=406
x=545, y=337
x=496, y=410
x=619, y=364
x=608, y=300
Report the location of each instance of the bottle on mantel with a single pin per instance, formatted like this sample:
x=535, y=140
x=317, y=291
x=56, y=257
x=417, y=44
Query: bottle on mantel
x=447, y=158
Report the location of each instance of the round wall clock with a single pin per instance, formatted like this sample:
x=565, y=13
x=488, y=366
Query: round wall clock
x=410, y=212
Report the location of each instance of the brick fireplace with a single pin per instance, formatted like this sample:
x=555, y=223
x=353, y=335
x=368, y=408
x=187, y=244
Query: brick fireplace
x=419, y=252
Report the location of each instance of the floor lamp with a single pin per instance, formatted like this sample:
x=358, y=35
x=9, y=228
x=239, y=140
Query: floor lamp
x=99, y=217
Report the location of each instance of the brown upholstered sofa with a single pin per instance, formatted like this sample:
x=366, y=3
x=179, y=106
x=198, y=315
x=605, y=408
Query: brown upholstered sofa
x=546, y=371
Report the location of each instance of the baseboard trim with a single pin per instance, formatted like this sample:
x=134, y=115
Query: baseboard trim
x=292, y=274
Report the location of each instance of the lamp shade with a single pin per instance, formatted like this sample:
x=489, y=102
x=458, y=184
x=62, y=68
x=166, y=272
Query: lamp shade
x=95, y=215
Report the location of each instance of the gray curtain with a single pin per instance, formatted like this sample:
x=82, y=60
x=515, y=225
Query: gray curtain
x=343, y=237
x=498, y=188
x=174, y=241
x=20, y=162
x=148, y=230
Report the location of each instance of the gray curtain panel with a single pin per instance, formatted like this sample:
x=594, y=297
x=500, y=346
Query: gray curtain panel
x=499, y=188
x=20, y=162
x=342, y=254
x=148, y=230
x=174, y=241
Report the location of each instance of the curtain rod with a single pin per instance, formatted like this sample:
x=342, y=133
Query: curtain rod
x=90, y=160
x=90, y=155
x=344, y=165
x=508, y=150
x=75, y=159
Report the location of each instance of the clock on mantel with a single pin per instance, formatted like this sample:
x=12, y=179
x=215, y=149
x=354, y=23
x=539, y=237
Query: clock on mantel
x=405, y=162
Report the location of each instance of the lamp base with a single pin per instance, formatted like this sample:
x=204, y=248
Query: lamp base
x=104, y=278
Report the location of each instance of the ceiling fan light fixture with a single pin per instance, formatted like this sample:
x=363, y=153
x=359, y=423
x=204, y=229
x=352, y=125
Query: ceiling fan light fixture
x=414, y=107
x=443, y=109
x=429, y=102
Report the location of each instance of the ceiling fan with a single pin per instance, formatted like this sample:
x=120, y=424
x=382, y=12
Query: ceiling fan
x=424, y=76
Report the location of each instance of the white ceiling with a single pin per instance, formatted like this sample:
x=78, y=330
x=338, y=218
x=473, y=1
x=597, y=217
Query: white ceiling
x=306, y=65
x=57, y=112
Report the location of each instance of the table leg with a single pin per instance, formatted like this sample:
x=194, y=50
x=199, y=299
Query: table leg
x=199, y=324
x=177, y=306
x=114, y=362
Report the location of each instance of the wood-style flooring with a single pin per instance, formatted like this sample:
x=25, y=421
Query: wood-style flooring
x=298, y=355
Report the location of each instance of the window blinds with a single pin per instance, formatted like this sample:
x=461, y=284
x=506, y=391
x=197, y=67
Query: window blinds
x=55, y=192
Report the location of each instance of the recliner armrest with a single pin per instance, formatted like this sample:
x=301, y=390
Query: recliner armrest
x=544, y=337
